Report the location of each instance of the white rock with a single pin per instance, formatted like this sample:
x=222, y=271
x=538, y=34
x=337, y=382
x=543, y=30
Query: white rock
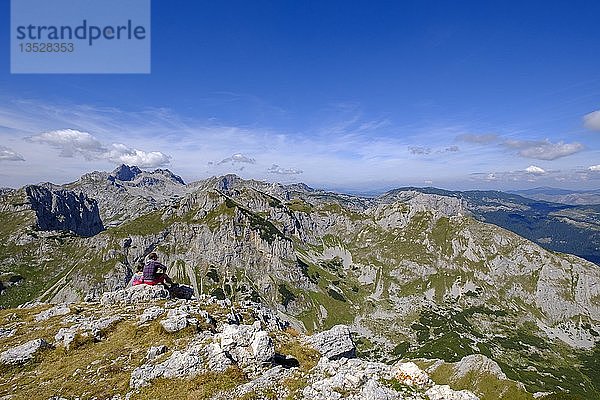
x=66, y=336
x=262, y=347
x=86, y=327
x=373, y=390
x=135, y=294
x=410, y=374
x=6, y=333
x=216, y=358
x=444, y=392
x=187, y=363
x=151, y=313
x=478, y=363
x=334, y=343
x=176, y=320
x=24, y=352
x=53, y=312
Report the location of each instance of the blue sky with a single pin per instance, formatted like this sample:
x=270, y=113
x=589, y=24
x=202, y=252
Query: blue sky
x=354, y=95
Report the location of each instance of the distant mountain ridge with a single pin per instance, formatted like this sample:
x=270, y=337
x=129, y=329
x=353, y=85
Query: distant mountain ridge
x=564, y=196
x=554, y=226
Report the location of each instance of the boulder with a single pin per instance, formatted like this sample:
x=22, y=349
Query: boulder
x=186, y=363
x=262, y=347
x=410, y=374
x=24, y=352
x=334, y=343
x=55, y=311
x=216, y=359
x=176, y=320
x=135, y=294
x=151, y=313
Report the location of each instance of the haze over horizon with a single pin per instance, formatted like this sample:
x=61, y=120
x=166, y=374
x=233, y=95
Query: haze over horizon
x=339, y=96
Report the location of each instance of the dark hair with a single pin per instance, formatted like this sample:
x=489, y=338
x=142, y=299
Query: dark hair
x=153, y=256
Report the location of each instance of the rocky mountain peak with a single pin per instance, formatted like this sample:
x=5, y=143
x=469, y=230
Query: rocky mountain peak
x=125, y=173
x=228, y=182
x=170, y=175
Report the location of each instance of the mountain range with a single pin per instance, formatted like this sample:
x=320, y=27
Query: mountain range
x=415, y=273
x=564, y=196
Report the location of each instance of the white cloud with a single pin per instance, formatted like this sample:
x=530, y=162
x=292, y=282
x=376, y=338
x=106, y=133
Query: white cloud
x=478, y=139
x=418, y=150
x=8, y=154
x=121, y=154
x=543, y=149
x=532, y=169
x=595, y=168
x=237, y=158
x=592, y=121
x=276, y=169
x=70, y=142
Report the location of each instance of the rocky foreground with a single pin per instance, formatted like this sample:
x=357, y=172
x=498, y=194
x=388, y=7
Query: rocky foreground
x=137, y=343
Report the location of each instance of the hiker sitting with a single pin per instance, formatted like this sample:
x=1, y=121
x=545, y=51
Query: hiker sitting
x=154, y=272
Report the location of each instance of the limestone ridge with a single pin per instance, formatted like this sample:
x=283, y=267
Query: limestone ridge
x=566, y=228
x=63, y=210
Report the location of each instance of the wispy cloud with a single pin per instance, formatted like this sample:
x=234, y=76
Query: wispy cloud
x=535, y=149
x=594, y=168
x=592, y=121
x=419, y=150
x=478, y=139
x=451, y=149
x=538, y=175
x=276, y=169
x=543, y=149
x=8, y=154
x=237, y=158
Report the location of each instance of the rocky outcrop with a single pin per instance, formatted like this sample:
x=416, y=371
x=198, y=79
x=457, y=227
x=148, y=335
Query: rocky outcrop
x=176, y=320
x=64, y=210
x=23, y=353
x=334, y=343
x=358, y=379
x=135, y=294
